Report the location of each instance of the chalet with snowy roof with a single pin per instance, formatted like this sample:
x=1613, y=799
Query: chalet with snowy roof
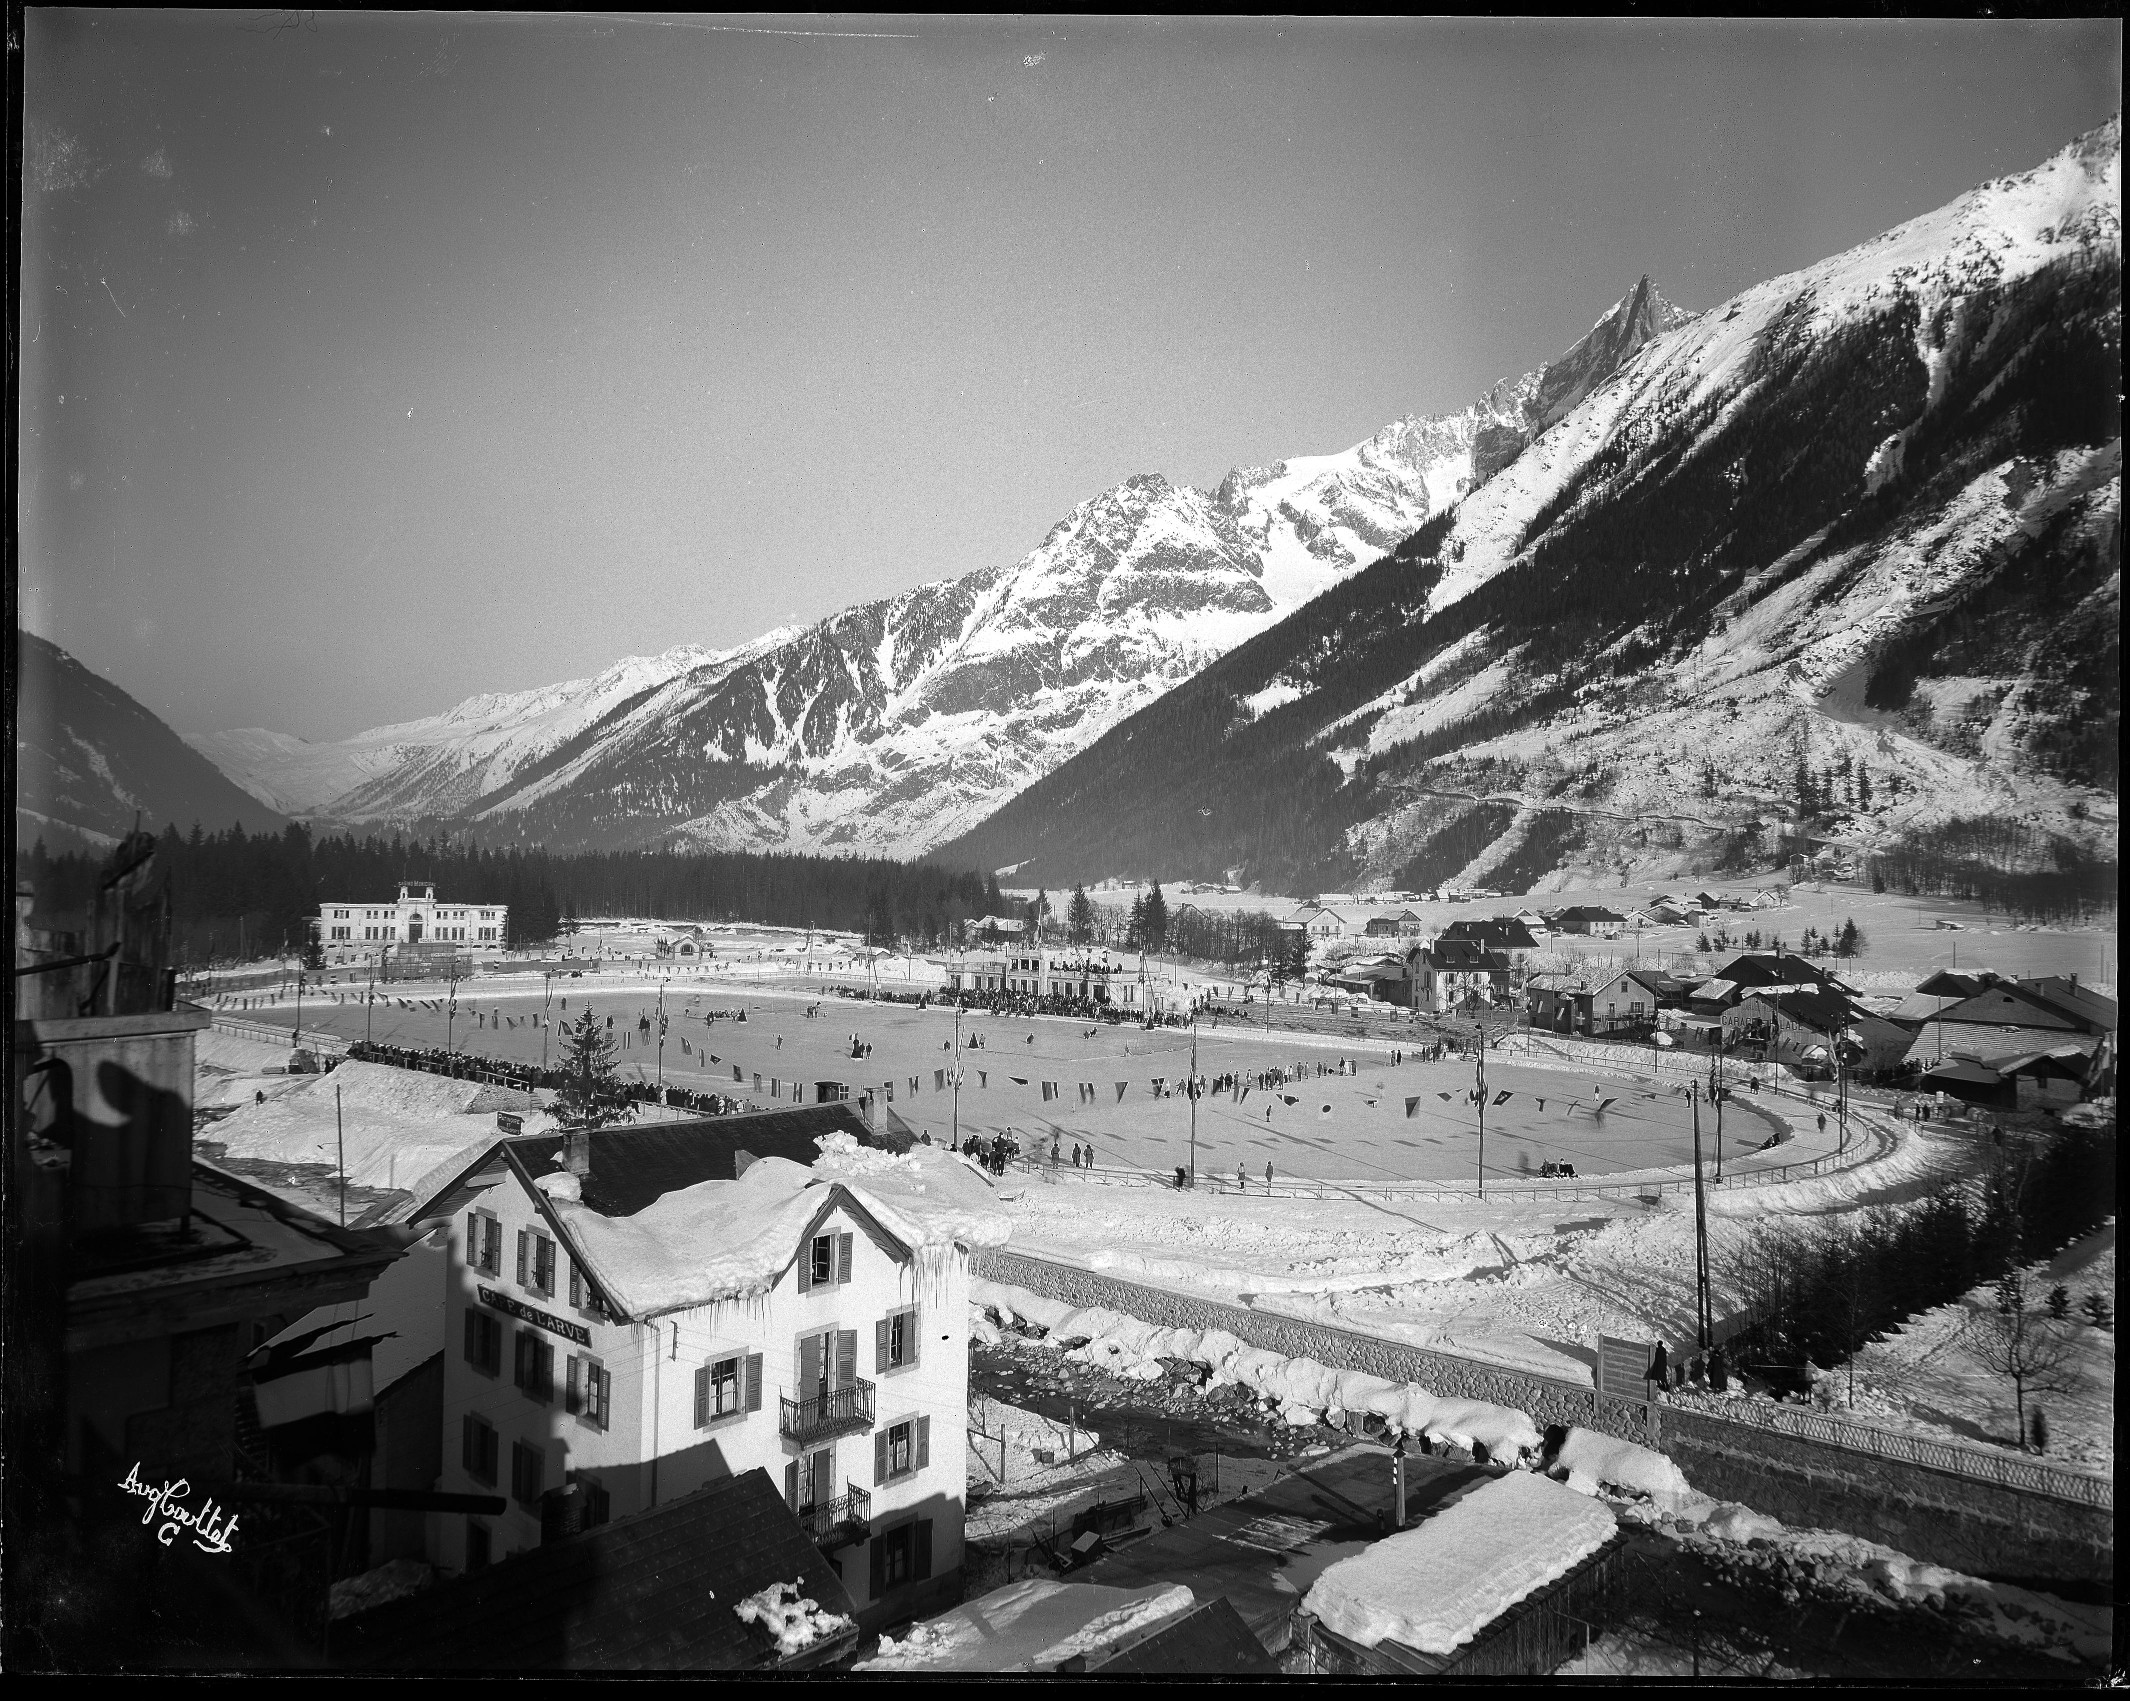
x=1318, y=922
x=1393, y=925
x=1630, y=1000
x=634, y=1314
x=1558, y=1003
x=1375, y=977
x=1534, y=924
x=994, y=929
x=2035, y=1080
x=724, y=1578
x=1505, y=1581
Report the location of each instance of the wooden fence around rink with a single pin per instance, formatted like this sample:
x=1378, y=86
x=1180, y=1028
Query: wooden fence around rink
x=1872, y=1139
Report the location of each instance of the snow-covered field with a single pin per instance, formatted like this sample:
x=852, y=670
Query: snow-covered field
x=1925, y=1377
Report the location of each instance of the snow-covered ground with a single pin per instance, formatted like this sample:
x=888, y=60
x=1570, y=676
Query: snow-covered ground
x=1925, y=1377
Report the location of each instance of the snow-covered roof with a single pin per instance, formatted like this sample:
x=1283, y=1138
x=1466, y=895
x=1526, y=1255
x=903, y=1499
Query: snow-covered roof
x=733, y=1239
x=1439, y=1585
x=1034, y=1625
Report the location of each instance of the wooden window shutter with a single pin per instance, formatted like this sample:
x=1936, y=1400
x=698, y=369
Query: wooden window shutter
x=806, y=1267
x=879, y=1457
x=810, y=1368
x=912, y=1333
x=791, y=1485
x=702, y=1396
x=846, y=1357
x=473, y=1237
x=524, y=1256
x=843, y=1257
x=573, y=1394
x=576, y=1285
x=879, y=1578
x=921, y=1558
x=924, y=1442
x=880, y=1342
x=754, y=1382
x=473, y=1337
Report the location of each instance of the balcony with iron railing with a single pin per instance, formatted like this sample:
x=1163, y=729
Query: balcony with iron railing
x=839, y=1411
x=842, y=1522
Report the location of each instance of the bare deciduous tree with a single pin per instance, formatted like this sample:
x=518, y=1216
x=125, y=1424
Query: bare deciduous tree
x=2027, y=1348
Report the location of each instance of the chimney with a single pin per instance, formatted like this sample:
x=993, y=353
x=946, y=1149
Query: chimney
x=577, y=1152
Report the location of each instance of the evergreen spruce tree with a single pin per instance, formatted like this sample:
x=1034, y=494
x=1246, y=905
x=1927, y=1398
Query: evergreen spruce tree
x=592, y=1095
x=1135, y=929
x=1156, y=920
x=1079, y=918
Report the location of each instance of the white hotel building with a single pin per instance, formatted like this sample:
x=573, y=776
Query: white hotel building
x=352, y=933
x=629, y=1320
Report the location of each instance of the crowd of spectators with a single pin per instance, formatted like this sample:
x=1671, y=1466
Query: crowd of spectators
x=527, y=1077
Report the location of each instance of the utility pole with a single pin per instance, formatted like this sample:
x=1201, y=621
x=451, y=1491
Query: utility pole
x=547, y=997
x=1717, y=1093
x=299, y=1007
x=661, y=1041
x=1479, y=1095
x=957, y=1077
x=451, y=1011
x=1194, y=1095
x=340, y=1139
x=1702, y=1318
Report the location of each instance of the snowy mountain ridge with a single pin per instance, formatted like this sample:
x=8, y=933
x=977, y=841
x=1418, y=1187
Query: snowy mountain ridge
x=1858, y=527
x=894, y=724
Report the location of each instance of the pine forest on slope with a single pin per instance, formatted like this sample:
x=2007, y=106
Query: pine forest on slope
x=1837, y=562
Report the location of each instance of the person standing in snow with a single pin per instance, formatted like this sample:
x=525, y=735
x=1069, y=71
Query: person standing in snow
x=1242, y=1182
x=1268, y=1175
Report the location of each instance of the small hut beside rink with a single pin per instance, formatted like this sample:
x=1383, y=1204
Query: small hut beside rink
x=1510, y=1581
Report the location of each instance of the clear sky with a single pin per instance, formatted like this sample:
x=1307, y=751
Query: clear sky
x=378, y=361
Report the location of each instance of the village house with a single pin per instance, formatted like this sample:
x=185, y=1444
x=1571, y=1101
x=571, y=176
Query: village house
x=634, y=1313
x=1453, y=972
x=1805, y=1028
x=1593, y=919
x=1092, y=976
x=2007, y=1019
x=350, y=932
x=1397, y=924
x=1319, y=923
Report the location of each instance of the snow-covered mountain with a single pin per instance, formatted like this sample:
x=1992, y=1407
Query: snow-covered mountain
x=90, y=762
x=1838, y=561
x=434, y=766
x=896, y=724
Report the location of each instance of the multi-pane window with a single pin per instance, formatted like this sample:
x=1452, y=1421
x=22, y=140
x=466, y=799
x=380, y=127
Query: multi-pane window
x=827, y=1262
x=901, y=1555
x=478, y=1447
x=534, y=1368
x=727, y=1387
x=895, y=1340
x=901, y=1449
x=484, y=1241
x=536, y=1261
x=591, y=1391
x=528, y=1473
x=484, y=1342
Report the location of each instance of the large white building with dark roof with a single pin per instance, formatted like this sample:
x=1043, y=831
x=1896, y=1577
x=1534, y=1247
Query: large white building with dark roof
x=354, y=932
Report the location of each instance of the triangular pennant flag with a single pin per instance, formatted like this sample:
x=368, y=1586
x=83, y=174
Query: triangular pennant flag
x=1599, y=1110
x=939, y=1080
x=1289, y=1098
x=1445, y=1097
x=1412, y=1105
x=1018, y=1080
x=1121, y=1085
x=983, y=1078
x=1245, y=1094
x=1503, y=1098
x=1541, y=1104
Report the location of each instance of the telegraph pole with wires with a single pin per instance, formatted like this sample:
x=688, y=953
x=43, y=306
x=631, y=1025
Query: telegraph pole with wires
x=956, y=1146
x=662, y=1041
x=1702, y=1317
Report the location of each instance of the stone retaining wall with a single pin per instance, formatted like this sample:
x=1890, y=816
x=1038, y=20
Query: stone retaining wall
x=1980, y=1527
